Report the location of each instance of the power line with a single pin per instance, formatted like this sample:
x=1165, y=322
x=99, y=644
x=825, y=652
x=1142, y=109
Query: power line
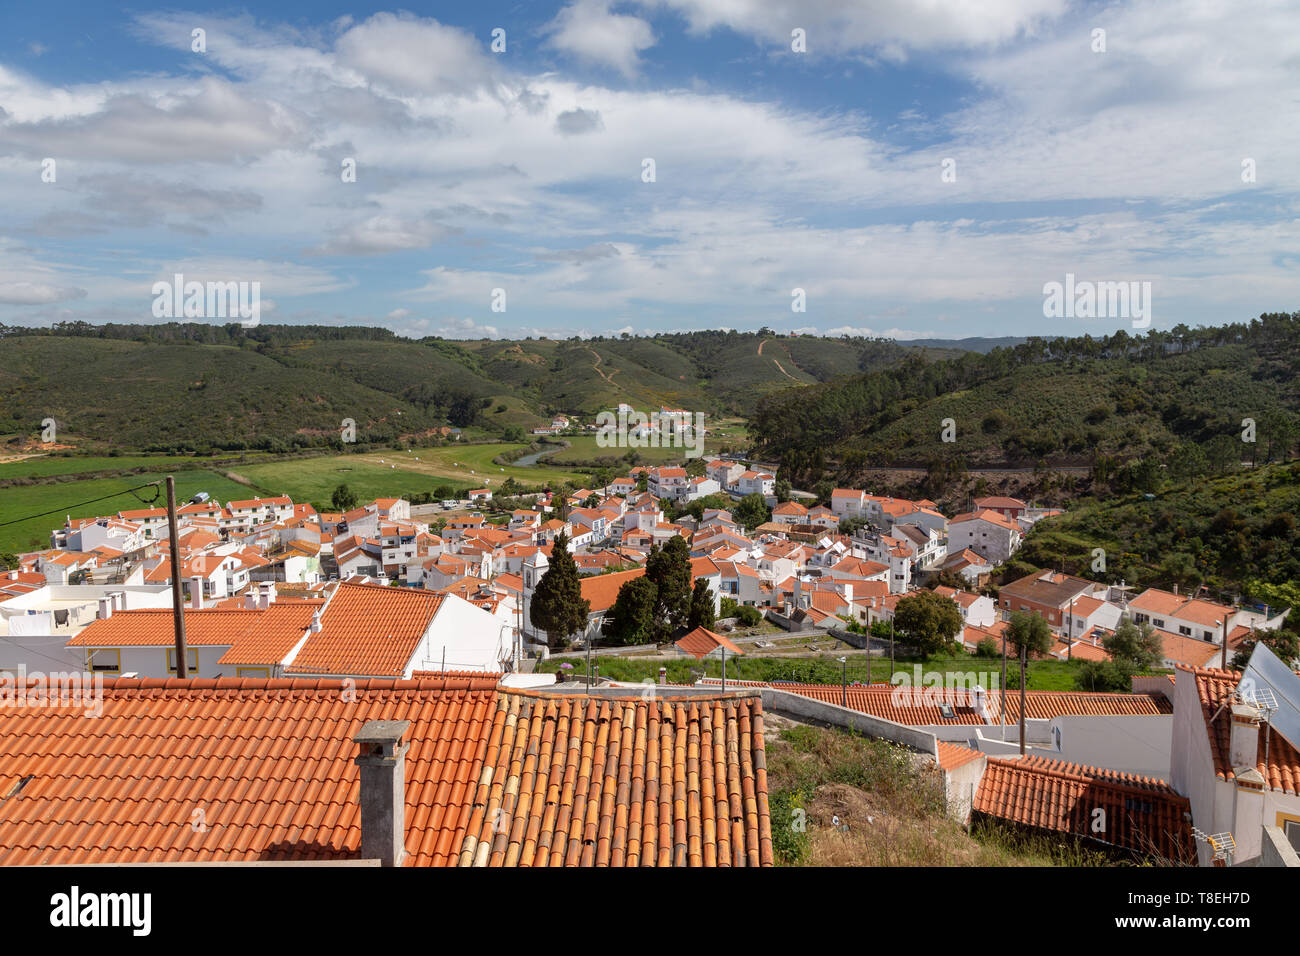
x=81, y=504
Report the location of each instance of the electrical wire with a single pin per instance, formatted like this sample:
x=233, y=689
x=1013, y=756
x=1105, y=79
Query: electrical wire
x=81, y=504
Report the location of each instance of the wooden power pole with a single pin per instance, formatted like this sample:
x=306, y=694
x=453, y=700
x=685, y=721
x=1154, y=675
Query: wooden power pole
x=178, y=601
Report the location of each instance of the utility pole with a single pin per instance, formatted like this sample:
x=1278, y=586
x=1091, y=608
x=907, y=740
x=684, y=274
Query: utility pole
x=1069, y=634
x=1024, y=653
x=1002, y=702
x=891, y=655
x=1224, y=654
x=178, y=603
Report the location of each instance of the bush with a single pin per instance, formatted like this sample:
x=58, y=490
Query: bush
x=749, y=616
x=988, y=648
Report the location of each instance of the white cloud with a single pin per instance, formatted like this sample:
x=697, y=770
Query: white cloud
x=885, y=26
x=413, y=55
x=37, y=293
x=587, y=30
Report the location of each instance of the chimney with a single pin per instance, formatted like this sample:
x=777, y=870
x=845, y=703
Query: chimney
x=1243, y=746
x=1175, y=590
x=316, y=622
x=105, y=608
x=266, y=597
x=196, y=593
x=663, y=675
x=980, y=700
x=250, y=598
x=382, y=759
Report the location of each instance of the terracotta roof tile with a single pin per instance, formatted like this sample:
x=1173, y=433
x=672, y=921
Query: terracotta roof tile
x=1137, y=813
x=493, y=777
x=577, y=781
x=1214, y=687
x=368, y=629
x=701, y=642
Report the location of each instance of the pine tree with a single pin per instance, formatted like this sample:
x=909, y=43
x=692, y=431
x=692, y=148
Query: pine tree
x=557, y=605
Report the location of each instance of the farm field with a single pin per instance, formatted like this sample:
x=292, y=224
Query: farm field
x=34, y=533
x=392, y=474
x=46, y=466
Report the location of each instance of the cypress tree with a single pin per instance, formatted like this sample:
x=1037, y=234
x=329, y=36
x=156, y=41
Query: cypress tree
x=669, y=567
x=701, y=614
x=631, y=619
x=557, y=606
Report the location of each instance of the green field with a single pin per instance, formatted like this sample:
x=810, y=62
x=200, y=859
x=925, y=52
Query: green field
x=46, y=466
x=34, y=533
x=392, y=474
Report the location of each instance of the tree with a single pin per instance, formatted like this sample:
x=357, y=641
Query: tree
x=929, y=621
x=669, y=567
x=1116, y=675
x=783, y=489
x=1140, y=645
x=1028, y=634
x=1281, y=642
x=751, y=511
x=631, y=619
x=558, y=607
x=1223, y=453
x=701, y=612
x=343, y=499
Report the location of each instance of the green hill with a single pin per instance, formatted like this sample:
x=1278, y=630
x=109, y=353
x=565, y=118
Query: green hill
x=1185, y=393
x=1231, y=533
x=186, y=386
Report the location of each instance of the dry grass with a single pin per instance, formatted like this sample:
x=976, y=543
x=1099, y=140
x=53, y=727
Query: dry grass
x=865, y=802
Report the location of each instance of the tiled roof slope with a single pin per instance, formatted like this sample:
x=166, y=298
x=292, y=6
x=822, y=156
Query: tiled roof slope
x=575, y=781
x=1046, y=704
x=950, y=756
x=1214, y=687
x=240, y=770
x=368, y=629
x=880, y=700
x=269, y=764
x=154, y=627
x=1140, y=813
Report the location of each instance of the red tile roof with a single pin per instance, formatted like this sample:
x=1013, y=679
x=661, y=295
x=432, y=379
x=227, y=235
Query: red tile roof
x=1214, y=687
x=701, y=642
x=492, y=777
x=368, y=629
x=253, y=631
x=951, y=756
x=1137, y=813
x=576, y=781
x=602, y=589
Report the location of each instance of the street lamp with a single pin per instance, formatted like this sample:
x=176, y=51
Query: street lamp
x=844, y=679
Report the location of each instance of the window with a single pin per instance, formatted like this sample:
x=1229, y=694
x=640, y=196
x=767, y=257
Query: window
x=104, y=660
x=1291, y=829
x=191, y=661
x=1185, y=631
x=1158, y=621
x=252, y=672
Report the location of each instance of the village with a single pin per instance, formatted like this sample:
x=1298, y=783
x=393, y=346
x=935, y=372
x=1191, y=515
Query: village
x=390, y=594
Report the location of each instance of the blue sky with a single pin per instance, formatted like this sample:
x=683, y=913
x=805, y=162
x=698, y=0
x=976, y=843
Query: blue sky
x=775, y=170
